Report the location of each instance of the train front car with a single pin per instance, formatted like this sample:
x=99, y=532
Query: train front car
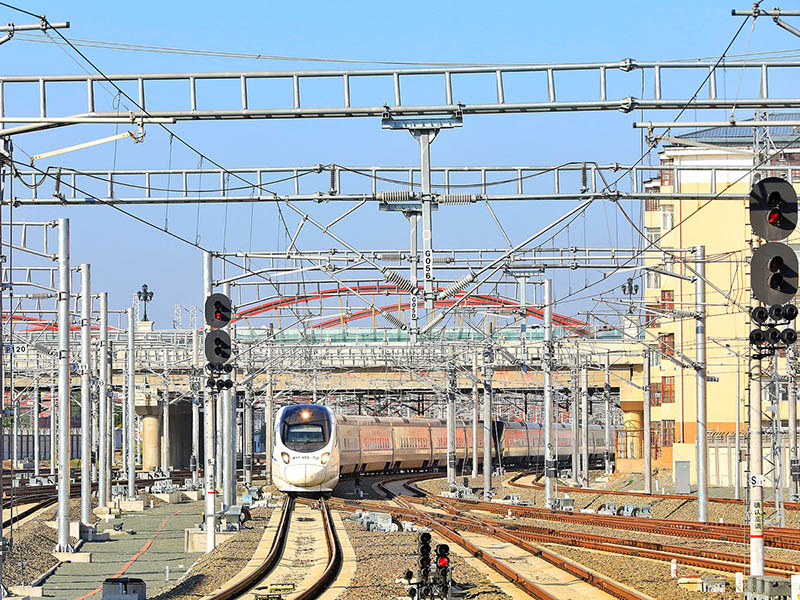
x=305, y=461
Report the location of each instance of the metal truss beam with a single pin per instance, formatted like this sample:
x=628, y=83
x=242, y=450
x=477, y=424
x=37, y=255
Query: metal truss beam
x=452, y=185
x=516, y=89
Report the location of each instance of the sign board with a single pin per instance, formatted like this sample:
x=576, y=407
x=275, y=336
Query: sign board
x=15, y=348
x=757, y=480
x=712, y=378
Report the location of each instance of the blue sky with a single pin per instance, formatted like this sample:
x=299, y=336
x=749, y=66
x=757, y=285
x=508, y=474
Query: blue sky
x=125, y=254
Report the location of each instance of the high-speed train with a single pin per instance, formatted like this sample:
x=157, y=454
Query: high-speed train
x=314, y=446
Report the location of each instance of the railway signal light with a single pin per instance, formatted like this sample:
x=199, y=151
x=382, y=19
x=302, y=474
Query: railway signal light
x=767, y=320
x=773, y=208
x=773, y=273
x=424, y=551
x=218, y=311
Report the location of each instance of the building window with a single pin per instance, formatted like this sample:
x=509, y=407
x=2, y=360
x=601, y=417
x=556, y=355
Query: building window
x=653, y=280
x=666, y=173
x=668, y=433
x=651, y=204
x=667, y=217
x=667, y=390
x=652, y=234
x=668, y=299
x=655, y=394
x=651, y=314
x=666, y=343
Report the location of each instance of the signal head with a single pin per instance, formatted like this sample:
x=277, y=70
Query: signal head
x=442, y=550
x=218, y=311
x=210, y=382
x=424, y=548
x=218, y=348
x=220, y=384
x=773, y=208
x=773, y=273
x=424, y=562
x=788, y=336
x=789, y=312
x=411, y=591
x=409, y=575
x=442, y=561
x=773, y=336
x=424, y=536
x=776, y=312
x=759, y=314
x=228, y=384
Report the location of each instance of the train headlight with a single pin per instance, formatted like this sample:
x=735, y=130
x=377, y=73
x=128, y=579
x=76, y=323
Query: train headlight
x=285, y=457
x=325, y=458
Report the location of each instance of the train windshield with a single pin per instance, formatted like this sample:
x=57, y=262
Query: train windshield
x=305, y=428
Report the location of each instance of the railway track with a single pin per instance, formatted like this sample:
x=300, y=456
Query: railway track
x=454, y=518
x=535, y=484
x=256, y=584
x=450, y=530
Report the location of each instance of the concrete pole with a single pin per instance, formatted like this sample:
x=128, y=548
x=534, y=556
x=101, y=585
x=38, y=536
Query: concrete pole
x=648, y=443
x=700, y=370
x=218, y=442
x=550, y=459
x=791, y=367
x=584, y=426
x=575, y=410
x=86, y=399
x=123, y=408
x=37, y=408
x=487, y=415
x=53, y=424
x=14, y=421
x=196, y=409
x=425, y=137
x=209, y=411
x=165, y=446
x=63, y=387
x=130, y=433
x=475, y=411
x=738, y=435
x=607, y=398
x=247, y=459
x=228, y=436
x=269, y=426
x=451, y=427
x=103, y=417
x=413, y=222
x=756, y=469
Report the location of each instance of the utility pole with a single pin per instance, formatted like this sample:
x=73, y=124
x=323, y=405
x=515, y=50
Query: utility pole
x=584, y=426
x=756, y=469
x=63, y=387
x=550, y=460
x=794, y=463
x=451, y=426
x=197, y=386
x=37, y=409
x=131, y=406
x=607, y=398
x=268, y=416
x=165, y=446
x=475, y=411
x=248, y=436
x=209, y=411
x=575, y=410
x=700, y=370
x=103, y=416
x=648, y=442
x=487, y=413
x=86, y=400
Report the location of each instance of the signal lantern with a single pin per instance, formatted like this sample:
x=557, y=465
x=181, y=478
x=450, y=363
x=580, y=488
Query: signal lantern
x=776, y=312
x=773, y=335
x=789, y=312
x=442, y=558
x=759, y=314
x=788, y=336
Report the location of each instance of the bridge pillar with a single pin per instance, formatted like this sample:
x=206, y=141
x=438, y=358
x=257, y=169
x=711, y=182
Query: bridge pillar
x=151, y=437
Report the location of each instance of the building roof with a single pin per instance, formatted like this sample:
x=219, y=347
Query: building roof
x=744, y=135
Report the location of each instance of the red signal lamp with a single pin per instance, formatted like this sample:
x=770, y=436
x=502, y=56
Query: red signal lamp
x=443, y=561
x=774, y=216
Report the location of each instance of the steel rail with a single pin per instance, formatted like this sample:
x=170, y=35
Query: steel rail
x=270, y=562
x=335, y=557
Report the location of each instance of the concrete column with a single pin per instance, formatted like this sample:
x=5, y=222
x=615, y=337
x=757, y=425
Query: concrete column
x=575, y=410
x=647, y=449
x=151, y=440
x=584, y=427
x=475, y=411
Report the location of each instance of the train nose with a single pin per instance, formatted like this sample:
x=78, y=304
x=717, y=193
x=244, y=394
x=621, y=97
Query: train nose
x=305, y=475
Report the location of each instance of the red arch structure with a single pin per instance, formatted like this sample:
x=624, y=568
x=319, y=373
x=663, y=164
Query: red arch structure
x=477, y=300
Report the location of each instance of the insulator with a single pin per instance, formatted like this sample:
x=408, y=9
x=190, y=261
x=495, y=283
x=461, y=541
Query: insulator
x=456, y=286
x=584, y=178
x=397, y=279
x=395, y=196
x=394, y=320
x=390, y=256
x=332, y=190
x=457, y=199
x=443, y=260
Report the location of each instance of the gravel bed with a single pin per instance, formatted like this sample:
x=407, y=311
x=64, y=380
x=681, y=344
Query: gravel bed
x=648, y=576
x=211, y=571
x=384, y=557
x=31, y=553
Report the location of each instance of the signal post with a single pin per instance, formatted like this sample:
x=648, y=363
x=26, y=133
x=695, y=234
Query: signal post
x=773, y=282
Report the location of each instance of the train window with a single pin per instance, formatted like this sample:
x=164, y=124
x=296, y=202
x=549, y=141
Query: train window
x=304, y=433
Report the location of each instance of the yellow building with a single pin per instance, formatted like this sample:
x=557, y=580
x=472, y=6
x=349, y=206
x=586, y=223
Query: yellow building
x=716, y=161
